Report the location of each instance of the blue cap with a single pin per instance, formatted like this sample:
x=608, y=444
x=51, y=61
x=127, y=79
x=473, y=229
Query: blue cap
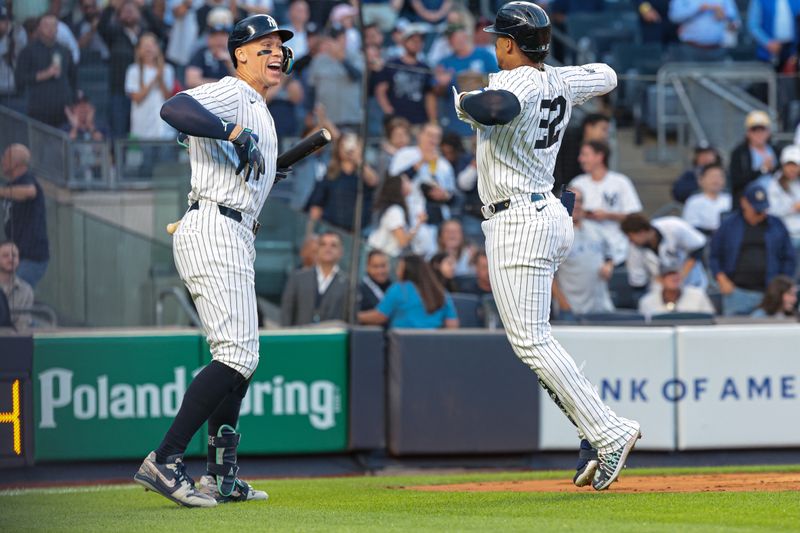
x=757, y=197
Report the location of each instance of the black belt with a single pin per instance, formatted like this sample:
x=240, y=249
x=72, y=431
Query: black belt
x=492, y=209
x=232, y=214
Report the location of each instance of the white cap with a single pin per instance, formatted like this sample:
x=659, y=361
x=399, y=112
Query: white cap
x=791, y=154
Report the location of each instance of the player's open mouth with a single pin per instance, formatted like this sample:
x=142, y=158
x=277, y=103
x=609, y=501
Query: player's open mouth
x=275, y=65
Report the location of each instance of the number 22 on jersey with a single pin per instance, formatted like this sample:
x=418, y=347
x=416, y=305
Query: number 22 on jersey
x=552, y=115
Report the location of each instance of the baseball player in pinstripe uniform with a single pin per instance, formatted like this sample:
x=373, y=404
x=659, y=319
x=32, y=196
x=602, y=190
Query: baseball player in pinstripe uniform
x=519, y=120
x=233, y=151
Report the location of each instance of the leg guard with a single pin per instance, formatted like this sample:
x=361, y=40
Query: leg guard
x=225, y=467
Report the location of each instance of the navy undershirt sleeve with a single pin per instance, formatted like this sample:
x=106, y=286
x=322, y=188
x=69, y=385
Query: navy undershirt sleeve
x=186, y=114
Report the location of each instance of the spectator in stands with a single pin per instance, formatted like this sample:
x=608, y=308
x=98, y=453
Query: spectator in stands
x=654, y=21
x=433, y=184
x=466, y=68
x=317, y=294
x=87, y=156
x=595, y=127
x=18, y=293
x=480, y=285
x=416, y=300
x=783, y=193
x=256, y=7
x=183, y=31
x=580, y=285
x=375, y=282
x=755, y=156
x=149, y=82
x=445, y=269
x=451, y=241
x=213, y=62
x=704, y=28
x=429, y=11
x=25, y=223
x=608, y=197
x=47, y=74
x=121, y=28
x=86, y=31
x=336, y=81
x=309, y=170
x=395, y=231
x=397, y=135
x=308, y=251
x=440, y=47
x=343, y=17
x=204, y=11
x=748, y=250
x=334, y=198
x=664, y=241
x=298, y=15
x=405, y=87
x=383, y=13
x=780, y=300
x=773, y=24
x=703, y=210
x=688, y=183
x=13, y=40
x=669, y=295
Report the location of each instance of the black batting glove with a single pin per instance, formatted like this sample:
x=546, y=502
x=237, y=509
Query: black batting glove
x=251, y=160
x=282, y=173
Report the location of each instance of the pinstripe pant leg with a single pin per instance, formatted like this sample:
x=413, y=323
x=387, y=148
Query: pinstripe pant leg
x=214, y=256
x=524, y=248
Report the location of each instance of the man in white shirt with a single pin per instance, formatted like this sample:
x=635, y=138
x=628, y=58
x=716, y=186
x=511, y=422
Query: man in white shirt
x=664, y=241
x=667, y=296
x=783, y=193
x=704, y=209
x=581, y=282
x=607, y=196
x=433, y=185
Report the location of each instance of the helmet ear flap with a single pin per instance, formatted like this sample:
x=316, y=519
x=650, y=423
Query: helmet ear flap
x=288, y=59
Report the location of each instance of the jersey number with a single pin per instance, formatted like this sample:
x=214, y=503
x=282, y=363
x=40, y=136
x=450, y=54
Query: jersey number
x=559, y=105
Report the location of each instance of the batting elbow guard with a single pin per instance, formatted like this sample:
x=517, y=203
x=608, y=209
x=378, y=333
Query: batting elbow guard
x=491, y=108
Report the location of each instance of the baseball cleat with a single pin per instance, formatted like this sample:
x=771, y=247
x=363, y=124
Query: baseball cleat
x=612, y=463
x=587, y=465
x=242, y=492
x=171, y=481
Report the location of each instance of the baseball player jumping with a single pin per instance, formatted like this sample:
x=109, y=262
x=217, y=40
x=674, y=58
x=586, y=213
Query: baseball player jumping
x=519, y=120
x=233, y=158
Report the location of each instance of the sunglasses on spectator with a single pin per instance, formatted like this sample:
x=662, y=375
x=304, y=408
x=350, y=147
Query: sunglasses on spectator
x=757, y=128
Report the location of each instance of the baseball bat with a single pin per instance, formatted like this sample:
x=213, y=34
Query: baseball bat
x=304, y=148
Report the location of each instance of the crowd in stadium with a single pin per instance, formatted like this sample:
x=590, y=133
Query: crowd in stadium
x=736, y=238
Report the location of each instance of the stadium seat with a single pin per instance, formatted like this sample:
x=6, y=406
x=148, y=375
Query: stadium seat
x=619, y=318
x=468, y=307
x=622, y=294
x=273, y=262
x=683, y=318
x=491, y=316
x=605, y=29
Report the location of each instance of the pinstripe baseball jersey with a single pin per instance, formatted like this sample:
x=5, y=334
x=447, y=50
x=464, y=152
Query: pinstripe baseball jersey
x=519, y=157
x=214, y=161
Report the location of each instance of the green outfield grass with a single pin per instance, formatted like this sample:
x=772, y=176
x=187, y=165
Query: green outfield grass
x=374, y=504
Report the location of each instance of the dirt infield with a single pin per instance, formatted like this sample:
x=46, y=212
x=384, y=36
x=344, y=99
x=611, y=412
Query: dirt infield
x=743, y=482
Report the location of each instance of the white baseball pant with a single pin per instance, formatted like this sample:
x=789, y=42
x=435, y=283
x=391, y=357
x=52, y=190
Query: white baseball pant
x=524, y=246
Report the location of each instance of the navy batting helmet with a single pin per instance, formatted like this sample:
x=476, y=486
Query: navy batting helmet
x=251, y=28
x=526, y=23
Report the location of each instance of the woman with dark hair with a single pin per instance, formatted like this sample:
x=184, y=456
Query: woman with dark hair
x=417, y=300
x=334, y=198
x=780, y=300
x=444, y=266
x=393, y=234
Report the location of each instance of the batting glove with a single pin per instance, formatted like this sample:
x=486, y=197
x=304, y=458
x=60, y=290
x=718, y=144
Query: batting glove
x=282, y=173
x=460, y=113
x=183, y=140
x=251, y=160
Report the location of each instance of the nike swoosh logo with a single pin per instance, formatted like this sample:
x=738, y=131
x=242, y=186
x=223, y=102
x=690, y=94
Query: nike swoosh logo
x=168, y=482
x=539, y=209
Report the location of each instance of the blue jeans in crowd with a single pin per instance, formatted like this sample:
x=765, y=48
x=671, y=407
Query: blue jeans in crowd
x=31, y=271
x=740, y=302
x=119, y=115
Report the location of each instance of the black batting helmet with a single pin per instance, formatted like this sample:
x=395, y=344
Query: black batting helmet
x=524, y=22
x=251, y=28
